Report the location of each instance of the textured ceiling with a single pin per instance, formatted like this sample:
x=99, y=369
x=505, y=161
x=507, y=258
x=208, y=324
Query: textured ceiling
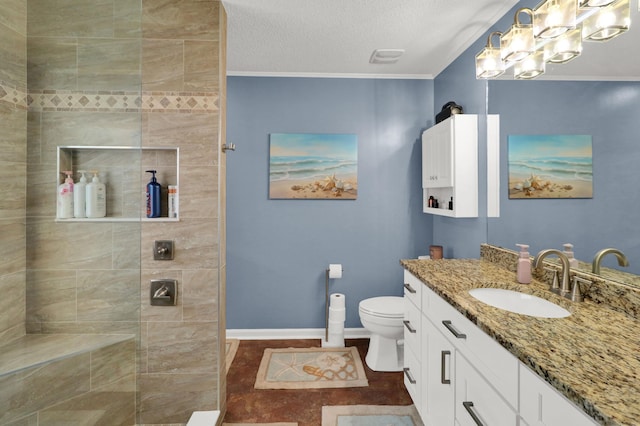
x=337, y=37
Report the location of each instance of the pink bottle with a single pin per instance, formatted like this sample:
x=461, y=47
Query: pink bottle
x=524, y=265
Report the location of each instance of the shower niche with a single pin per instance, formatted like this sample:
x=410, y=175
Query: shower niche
x=122, y=170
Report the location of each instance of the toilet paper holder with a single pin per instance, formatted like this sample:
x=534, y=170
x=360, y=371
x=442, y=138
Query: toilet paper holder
x=326, y=299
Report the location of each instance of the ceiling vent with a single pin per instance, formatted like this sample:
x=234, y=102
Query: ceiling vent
x=385, y=56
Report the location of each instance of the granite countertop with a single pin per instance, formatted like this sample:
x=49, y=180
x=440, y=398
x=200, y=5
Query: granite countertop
x=591, y=356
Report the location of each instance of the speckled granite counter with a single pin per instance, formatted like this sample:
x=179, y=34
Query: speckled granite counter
x=592, y=356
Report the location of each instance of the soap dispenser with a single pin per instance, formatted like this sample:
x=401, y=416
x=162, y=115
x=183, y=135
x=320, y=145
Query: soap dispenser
x=96, y=197
x=80, y=197
x=524, y=265
x=153, y=196
x=568, y=251
x=65, y=197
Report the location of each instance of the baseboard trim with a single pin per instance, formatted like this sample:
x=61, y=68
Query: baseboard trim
x=292, y=333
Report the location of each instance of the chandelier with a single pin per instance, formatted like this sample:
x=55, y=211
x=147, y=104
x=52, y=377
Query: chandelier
x=553, y=33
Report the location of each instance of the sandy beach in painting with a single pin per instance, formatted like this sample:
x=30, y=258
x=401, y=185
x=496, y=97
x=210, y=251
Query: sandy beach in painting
x=543, y=188
x=333, y=187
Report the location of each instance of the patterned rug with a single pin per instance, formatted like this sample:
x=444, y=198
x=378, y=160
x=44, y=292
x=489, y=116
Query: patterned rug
x=370, y=415
x=231, y=349
x=310, y=368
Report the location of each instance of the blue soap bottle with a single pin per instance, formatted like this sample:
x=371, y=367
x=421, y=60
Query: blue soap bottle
x=153, y=196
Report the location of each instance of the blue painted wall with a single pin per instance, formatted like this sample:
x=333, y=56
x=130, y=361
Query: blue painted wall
x=278, y=250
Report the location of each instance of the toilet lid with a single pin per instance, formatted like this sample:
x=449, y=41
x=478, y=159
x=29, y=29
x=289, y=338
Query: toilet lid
x=385, y=306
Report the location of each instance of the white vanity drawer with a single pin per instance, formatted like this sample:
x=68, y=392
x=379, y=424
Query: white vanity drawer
x=476, y=401
x=413, y=288
x=412, y=327
x=495, y=363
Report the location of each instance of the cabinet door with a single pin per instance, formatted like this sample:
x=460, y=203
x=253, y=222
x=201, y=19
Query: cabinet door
x=437, y=377
x=541, y=405
x=437, y=156
x=476, y=402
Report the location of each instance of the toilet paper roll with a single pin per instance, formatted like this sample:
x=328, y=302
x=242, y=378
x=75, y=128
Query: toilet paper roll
x=336, y=327
x=336, y=340
x=336, y=300
x=335, y=270
x=337, y=314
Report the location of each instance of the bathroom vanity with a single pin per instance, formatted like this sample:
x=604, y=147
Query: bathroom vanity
x=468, y=363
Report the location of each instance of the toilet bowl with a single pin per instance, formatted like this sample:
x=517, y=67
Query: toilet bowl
x=382, y=317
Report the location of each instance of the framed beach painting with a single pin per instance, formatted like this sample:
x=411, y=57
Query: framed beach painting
x=313, y=166
x=550, y=166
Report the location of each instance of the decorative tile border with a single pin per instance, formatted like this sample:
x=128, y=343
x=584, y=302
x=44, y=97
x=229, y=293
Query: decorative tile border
x=120, y=101
x=13, y=95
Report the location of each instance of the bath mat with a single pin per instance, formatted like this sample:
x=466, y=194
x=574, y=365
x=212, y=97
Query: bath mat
x=231, y=347
x=370, y=415
x=310, y=368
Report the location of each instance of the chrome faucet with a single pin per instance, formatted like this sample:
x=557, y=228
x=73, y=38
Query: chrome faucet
x=595, y=265
x=565, y=288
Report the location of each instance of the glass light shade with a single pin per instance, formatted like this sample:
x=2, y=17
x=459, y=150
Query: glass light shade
x=564, y=48
x=530, y=67
x=553, y=18
x=517, y=43
x=608, y=22
x=488, y=63
x=595, y=3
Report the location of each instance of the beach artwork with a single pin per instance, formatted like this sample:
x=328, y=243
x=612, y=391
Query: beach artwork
x=550, y=166
x=313, y=166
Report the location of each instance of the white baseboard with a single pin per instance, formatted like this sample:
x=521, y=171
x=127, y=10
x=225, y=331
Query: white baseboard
x=292, y=333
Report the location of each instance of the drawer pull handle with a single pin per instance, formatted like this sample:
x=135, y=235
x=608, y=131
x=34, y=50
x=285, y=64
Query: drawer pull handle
x=443, y=359
x=468, y=405
x=409, y=288
x=407, y=324
x=453, y=331
x=409, y=376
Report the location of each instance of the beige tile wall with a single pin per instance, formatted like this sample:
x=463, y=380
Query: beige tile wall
x=13, y=168
x=85, y=58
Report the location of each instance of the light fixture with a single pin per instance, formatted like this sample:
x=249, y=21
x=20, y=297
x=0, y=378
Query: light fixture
x=553, y=18
x=488, y=62
x=609, y=22
x=564, y=48
x=518, y=42
x=554, y=34
x=530, y=67
x=595, y=3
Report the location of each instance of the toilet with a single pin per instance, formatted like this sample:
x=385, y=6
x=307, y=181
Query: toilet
x=382, y=317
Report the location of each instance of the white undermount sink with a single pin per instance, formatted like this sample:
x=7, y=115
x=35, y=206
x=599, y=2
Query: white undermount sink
x=519, y=303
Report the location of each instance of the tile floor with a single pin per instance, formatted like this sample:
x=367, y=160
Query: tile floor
x=248, y=405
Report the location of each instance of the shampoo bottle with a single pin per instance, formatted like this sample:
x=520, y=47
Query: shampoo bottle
x=524, y=265
x=153, y=196
x=568, y=250
x=80, y=196
x=65, y=198
x=96, y=197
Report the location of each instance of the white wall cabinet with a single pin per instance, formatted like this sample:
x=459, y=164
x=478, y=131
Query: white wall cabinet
x=462, y=376
x=450, y=166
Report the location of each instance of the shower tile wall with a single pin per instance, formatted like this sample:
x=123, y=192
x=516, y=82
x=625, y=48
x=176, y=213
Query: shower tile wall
x=13, y=167
x=88, y=60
